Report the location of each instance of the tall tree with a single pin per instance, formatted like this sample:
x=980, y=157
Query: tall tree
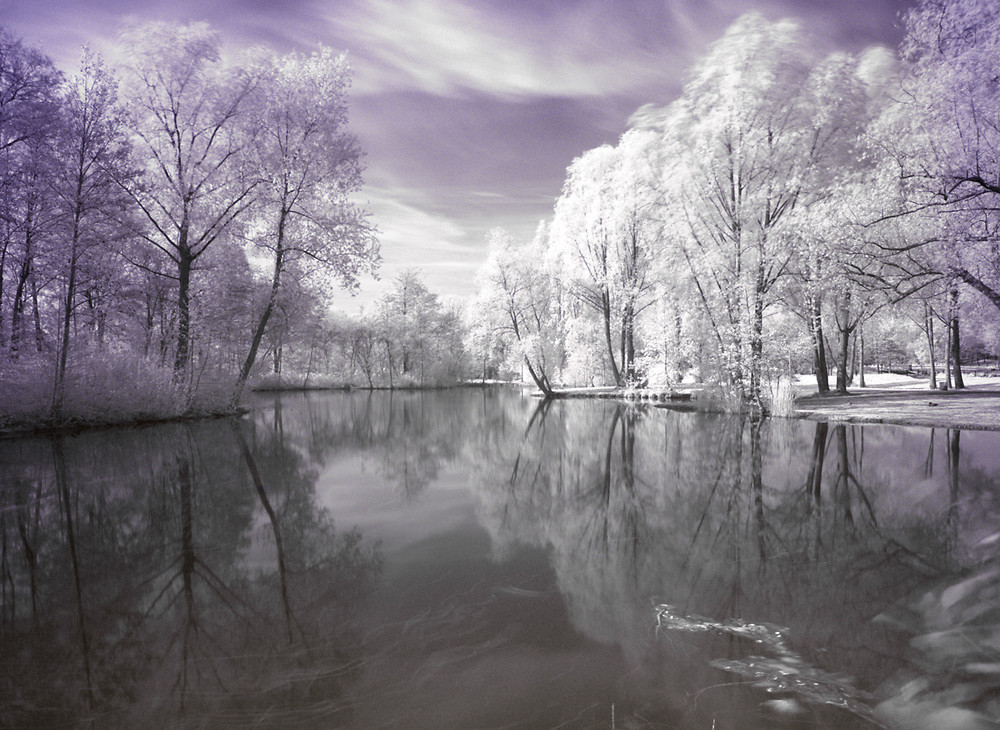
x=93, y=160
x=601, y=230
x=190, y=129
x=29, y=89
x=309, y=164
x=518, y=297
x=753, y=137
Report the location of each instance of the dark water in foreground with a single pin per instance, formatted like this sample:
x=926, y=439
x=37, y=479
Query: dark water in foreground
x=472, y=559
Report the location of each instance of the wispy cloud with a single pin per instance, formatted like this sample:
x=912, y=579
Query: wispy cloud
x=445, y=47
x=411, y=237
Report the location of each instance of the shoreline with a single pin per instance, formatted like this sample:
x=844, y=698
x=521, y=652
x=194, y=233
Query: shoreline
x=76, y=427
x=897, y=401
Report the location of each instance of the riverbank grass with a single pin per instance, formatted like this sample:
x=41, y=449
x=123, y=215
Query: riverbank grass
x=104, y=389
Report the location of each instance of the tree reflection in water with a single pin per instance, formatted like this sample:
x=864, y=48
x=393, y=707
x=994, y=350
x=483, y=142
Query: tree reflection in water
x=191, y=573
x=718, y=516
x=151, y=542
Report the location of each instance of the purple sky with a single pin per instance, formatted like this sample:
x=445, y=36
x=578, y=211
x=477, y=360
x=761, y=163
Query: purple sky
x=470, y=111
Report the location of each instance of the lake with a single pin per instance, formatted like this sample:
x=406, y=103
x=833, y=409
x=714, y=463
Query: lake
x=476, y=558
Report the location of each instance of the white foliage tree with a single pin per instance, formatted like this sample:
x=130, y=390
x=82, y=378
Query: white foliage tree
x=521, y=301
x=602, y=235
x=758, y=133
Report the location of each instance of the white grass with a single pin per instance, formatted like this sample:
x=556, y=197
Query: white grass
x=103, y=388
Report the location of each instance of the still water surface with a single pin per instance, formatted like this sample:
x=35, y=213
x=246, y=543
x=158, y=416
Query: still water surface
x=477, y=559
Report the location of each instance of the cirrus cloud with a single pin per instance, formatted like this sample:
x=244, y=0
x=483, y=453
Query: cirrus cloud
x=445, y=48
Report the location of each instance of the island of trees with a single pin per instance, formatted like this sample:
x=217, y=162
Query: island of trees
x=173, y=229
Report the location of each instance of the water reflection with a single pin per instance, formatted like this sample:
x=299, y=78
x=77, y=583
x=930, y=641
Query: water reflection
x=586, y=564
x=721, y=517
x=202, y=582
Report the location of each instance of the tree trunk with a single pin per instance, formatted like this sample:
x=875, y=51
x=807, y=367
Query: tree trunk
x=388, y=355
x=854, y=362
x=929, y=327
x=539, y=379
x=956, y=350
x=265, y=316
x=845, y=329
x=37, y=316
x=861, y=363
x=628, y=349
x=606, y=315
x=757, y=349
x=17, y=311
x=184, y=263
x=947, y=356
x=3, y=268
x=842, y=359
x=60, y=384
x=819, y=350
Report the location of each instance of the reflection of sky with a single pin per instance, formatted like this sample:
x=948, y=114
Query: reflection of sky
x=469, y=111
x=358, y=495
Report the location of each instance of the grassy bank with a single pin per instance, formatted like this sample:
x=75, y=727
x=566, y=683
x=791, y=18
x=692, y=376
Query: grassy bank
x=112, y=389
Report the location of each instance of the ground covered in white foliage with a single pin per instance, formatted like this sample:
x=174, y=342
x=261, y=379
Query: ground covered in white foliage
x=889, y=398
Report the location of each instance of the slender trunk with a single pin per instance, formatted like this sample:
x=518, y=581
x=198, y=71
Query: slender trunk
x=539, y=378
x=3, y=268
x=39, y=332
x=67, y=311
x=947, y=357
x=149, y=323
x=628, y=348
x=17, y=311
x=184, y=262
x=622, y=366
x=854, y=362
x=845, y=329
x=956, y=350
x=60, y=384
x=861, y=363
x=757, y=347
x=678, y=325
x=606, y=315
x=309, y=362
x=842, y=359
x=819, y=350
x=388, y=355
x=265, y=315
x=929, y=327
